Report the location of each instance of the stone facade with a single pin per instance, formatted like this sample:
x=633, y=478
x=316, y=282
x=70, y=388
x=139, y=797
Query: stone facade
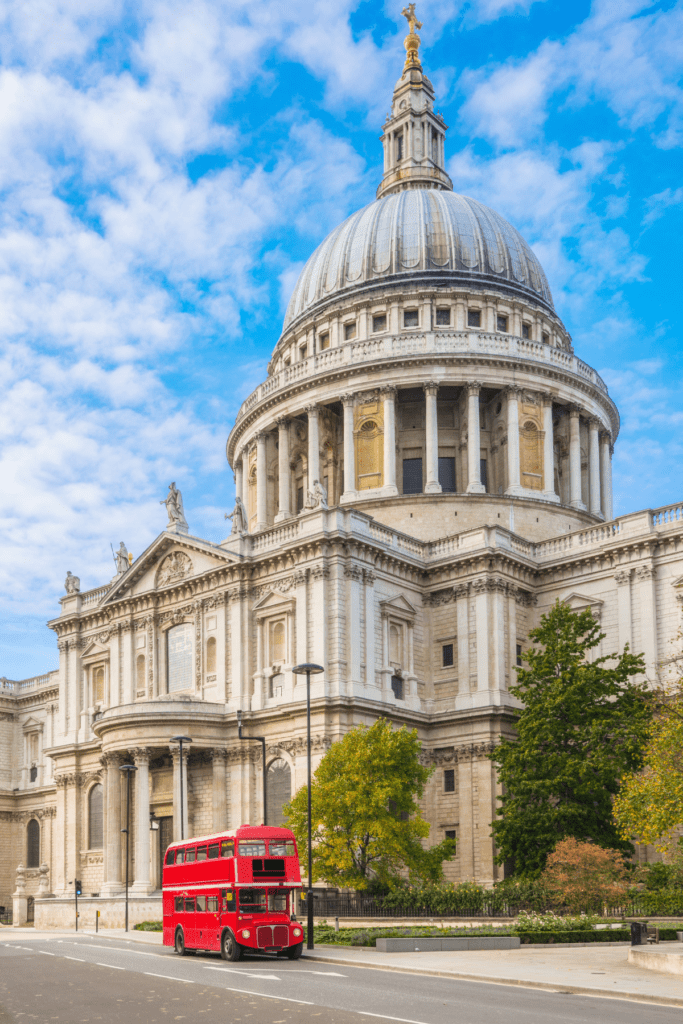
x=426, y=469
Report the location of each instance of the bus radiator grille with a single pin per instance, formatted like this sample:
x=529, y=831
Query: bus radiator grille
x=268, y=936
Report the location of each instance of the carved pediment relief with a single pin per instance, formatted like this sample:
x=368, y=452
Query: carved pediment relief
x=580, y=602
x=398, y=605
x=175, y=567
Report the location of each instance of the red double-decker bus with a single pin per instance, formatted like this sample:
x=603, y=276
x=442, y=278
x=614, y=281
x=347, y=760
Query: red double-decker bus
x=233, y=891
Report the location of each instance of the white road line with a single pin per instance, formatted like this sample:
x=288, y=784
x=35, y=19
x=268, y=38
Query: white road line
x=384, y=1016
x=264, y=995
x=120, y=949
x=113, y=967
x=166, y=977
x=234, y=970
x=46, y=953
x=328, y=974
x=65, y=957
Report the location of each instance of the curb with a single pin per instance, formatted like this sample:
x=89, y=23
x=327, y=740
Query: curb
x=579, y=990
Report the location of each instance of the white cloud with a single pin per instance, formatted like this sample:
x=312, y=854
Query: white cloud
x=658, y=203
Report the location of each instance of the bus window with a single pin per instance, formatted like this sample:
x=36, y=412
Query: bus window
x=282, y=848
x=201, y=904
x=213, y=851
x=227, y=848
x=179, y=904
x=252, y=849
x=170, y=856
x=190, y=855
x=212, y=904
x=277, y=902
x=180, y=856
x=253, y=901
x=189, y=905
x=201, y=853
x=228, y=899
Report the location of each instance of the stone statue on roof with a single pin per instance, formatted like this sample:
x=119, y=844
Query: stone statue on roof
x=174, y=506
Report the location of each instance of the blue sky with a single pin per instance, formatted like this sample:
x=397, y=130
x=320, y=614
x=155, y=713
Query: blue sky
x=168, y=167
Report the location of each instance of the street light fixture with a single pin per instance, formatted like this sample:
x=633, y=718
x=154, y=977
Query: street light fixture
x=308, y=669
x=262, y=741
x=180, y=740
x=128, y=769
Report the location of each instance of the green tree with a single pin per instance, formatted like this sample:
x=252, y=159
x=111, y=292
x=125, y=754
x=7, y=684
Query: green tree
x=366, y=823
x=582, y=727
x=649, y=806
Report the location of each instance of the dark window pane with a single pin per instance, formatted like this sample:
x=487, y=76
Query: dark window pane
x=95, y=818
x=213, y=851
x=299, y=499
x=212, y=904
x=190, y=855
x=447, y=474
x=412, y=476
x=201, y=853
x=180, y=857
x=449, y=780
x=410, y=318
x=252, y=849
x=33, y=844
x=253, y=901
x=502, y=323
x=227, y=848
x=189, y=905
x=443, y=317
x=526, y=331
x=450, y=833
x=201, y=904
x=484, y=473
x=447, y=655
x=379, y=323
x=170, y=856
x=397, y=687
x=33, y=774
x=179, y=904
x=519, y=654
x=473, y=318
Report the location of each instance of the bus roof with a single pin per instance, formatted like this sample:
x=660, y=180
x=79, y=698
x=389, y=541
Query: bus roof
x=243, y=832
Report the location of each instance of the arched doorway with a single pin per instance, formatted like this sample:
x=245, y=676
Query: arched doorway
x=279, y=790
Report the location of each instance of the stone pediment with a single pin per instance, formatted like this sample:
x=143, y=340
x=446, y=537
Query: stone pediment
x=398, y=604
x=168, y=561
x=580, y=602
x=94, y=649
x=274, y=601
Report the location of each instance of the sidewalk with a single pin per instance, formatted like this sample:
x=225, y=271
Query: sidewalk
x=590, y=970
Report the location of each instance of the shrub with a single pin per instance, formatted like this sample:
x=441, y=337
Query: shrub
x=580, y=875
x=149, y=926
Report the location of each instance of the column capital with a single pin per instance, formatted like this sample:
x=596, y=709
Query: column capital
x=430, y=387
x=594, y=422
x=283, y=422
x=348, y=398
x=574, y=410
x=473, y=387
x=546, y=397
x=219, y=755
x=512, y=391
x=111, y=759
x=622, y=577
x=605, y=437
x=260, y=438
x=388, y=390
x=141, y=755
x=175, y=751
x=312, y=409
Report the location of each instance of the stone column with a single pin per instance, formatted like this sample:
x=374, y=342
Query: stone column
x=594, y=466
x=239, y=476
x=462, y=600
x=622, y=578
x=474, y=484
x=350, y=491
x=432, y=485
x=141, y=756
x=313, y=446
x=112, y=837
x=575, y=458
x=284, y=481
x=514, y=485
x=261, y=482
x=646, y=582
x=219, y=756
x=389, y=397
x=606, y=474
x=548, y=451
x=177, y=768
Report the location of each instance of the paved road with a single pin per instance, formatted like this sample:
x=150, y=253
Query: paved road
x=113, y=981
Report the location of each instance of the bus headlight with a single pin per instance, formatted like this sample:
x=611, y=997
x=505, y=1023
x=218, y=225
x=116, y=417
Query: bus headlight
x=246, y=934
x=297, y=932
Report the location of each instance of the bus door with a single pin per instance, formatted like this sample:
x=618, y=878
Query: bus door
x=189, y=922
x=212, y=928
x=228, y=908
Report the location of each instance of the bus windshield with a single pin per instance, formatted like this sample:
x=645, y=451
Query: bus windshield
x=258, y=901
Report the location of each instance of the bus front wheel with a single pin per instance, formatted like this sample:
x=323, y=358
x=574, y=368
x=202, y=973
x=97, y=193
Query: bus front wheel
x=230, y=947
x=294, y=952
x=180, y=943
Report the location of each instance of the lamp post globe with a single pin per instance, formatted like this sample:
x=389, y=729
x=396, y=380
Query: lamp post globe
x=180, y=740
x=309, y=669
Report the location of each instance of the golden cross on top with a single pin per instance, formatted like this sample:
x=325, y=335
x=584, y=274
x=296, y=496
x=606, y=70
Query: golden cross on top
x=409, y=14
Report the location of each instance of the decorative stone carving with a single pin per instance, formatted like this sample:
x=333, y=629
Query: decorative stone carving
x=174, y=506
x=72, y=584
x=622, y=577
x=175, y=567
x=122, y=559
x=239, y=518
x=645, y=572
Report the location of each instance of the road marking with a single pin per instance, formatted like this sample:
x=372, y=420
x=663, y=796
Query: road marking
x=65, y=957
x=384, y=1016
x=264, y=995
x=328, y=974
x=234, y=970
x=119, y=949
x=166, y=977
x=113, y=967
x=46, y=953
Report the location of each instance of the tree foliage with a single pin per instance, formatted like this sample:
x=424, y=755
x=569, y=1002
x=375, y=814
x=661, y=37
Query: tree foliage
x=583, y=725
x=649, y=806
x=584, y=876
x=366, y=823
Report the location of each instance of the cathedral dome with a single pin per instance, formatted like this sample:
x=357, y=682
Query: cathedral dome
x=433, y=235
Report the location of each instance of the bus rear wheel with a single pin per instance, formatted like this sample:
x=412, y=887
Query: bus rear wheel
x=294, y=952
x=230, y=947
x=180, y=943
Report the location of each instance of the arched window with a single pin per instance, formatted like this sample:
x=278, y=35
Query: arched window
x=278, y=789
x=179, y=651
x=278, y=642
x=33, y=844
x=98, y=684
x=211, y=654
x=140, y=672
x=95, y=818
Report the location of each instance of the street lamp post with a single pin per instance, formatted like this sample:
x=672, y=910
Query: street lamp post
x=127, y=768
x=309, y=669
x=180, y=740
x=262, y=741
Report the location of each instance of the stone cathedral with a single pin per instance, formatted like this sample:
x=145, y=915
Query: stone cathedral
x=425, y=470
